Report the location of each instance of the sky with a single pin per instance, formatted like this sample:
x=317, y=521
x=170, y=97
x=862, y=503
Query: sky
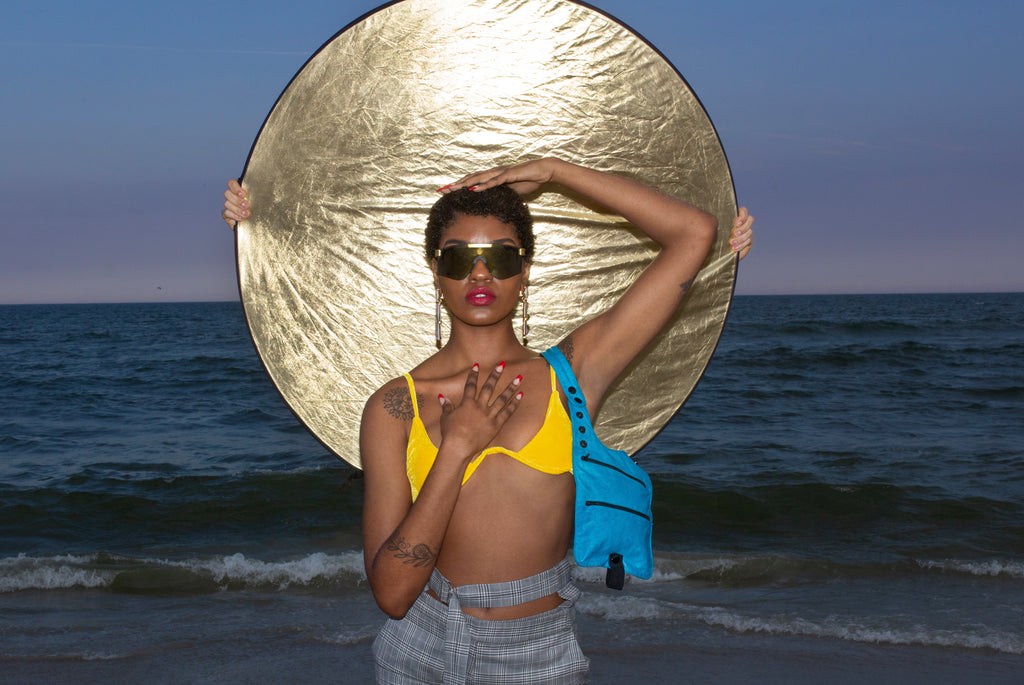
x=880, y=144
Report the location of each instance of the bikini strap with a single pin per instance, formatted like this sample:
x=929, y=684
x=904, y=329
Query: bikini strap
x=412, y=394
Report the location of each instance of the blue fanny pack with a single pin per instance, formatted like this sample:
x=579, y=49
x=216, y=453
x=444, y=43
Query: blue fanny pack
x=613, y=494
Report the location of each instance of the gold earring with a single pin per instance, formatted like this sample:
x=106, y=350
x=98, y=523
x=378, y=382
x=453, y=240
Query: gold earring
x=523, y=296
x=437, y=317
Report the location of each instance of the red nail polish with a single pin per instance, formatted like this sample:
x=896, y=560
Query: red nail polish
x=518, y=380
x=501, y=366
x=519, y=395
x=472, y=188
x=440, y=396
x=476, y=367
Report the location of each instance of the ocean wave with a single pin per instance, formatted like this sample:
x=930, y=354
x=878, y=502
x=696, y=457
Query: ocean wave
x=780, y=512
x=854, y=630
x=320, y=571
x=102, y=504
x=51, y=573
x=625, y=607
x=756, y=570
x=317, y=571
x=352, y=637
x=668, y=568
x=851, y=629
x=993, y=567
x=237, y=570
x=768, y=569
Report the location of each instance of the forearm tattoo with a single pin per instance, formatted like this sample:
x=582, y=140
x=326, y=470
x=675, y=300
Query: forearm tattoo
x=686, y=286
x=398, y=404
x=415, y=555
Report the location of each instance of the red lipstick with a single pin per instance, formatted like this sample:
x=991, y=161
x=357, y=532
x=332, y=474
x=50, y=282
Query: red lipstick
x=480, y=296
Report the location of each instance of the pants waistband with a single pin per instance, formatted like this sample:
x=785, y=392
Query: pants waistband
x=508, y=593
x=491, y=595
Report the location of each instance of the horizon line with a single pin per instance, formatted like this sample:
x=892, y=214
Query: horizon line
x=843, y=294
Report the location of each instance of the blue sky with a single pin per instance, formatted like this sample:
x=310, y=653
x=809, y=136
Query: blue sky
x=879, y=144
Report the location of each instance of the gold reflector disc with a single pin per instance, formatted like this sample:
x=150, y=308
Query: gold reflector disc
x=341, y=177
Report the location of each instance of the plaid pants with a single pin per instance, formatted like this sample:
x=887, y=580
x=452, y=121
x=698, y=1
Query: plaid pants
x=437, y=643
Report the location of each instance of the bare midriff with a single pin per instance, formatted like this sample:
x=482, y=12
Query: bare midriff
x=511, y=522
x=537, y=606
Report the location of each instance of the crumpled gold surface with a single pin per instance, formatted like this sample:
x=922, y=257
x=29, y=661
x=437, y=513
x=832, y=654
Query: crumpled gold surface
x=335, y=287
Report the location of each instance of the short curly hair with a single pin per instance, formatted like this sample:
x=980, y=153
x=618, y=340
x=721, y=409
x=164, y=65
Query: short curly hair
x=501, y=202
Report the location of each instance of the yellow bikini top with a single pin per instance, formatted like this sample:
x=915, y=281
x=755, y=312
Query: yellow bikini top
x=549, y=451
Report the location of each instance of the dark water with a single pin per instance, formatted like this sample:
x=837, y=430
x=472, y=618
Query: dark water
x=849, y=471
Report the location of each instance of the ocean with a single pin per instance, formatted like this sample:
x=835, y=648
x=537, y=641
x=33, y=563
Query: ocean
x=840, y=500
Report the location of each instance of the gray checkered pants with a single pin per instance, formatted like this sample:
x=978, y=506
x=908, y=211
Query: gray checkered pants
x=437, y=643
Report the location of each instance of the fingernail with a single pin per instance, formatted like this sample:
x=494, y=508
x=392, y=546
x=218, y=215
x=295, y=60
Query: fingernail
x=440, y=397
x=472, y=187
x=476, y=367
x=501, y=366
x=519, y=395
x=444, y=187
x=517, y=380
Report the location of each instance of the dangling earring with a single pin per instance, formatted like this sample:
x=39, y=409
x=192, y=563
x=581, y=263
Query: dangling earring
x=437, y=318
x=523, y=296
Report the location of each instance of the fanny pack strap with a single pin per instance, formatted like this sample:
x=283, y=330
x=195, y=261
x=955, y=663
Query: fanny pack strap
x=571, y=387
x=580, y=417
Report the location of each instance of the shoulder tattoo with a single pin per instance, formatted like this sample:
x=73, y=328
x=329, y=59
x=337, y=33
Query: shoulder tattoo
x=566, y=346
x=415, y=555
x=398, y=405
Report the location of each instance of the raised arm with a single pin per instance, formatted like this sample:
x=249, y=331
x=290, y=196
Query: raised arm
x=601, y=348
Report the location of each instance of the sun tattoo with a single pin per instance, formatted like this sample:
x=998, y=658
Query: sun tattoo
x=397, y=403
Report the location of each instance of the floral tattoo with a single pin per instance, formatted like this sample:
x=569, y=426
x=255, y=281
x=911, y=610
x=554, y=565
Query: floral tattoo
x=415, y=555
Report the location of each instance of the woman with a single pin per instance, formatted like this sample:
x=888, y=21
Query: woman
x=466, y=554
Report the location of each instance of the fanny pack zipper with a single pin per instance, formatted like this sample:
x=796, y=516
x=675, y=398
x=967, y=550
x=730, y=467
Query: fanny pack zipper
x=594, y=503
x=590, y=459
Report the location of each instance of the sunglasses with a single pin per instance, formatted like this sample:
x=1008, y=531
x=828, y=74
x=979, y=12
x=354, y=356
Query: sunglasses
x=457, y=261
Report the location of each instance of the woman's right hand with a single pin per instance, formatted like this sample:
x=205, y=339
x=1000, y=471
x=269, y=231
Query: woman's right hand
x=523, y=178
x=236, y=204
x=467, y=429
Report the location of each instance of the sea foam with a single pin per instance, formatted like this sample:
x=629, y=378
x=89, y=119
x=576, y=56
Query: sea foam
x=51, y=573
x=994, y=567
x=857, y=631
x=229, y=572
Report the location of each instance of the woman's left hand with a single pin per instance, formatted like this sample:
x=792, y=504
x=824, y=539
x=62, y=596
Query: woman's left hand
x=523, y=178
x=742, y=238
